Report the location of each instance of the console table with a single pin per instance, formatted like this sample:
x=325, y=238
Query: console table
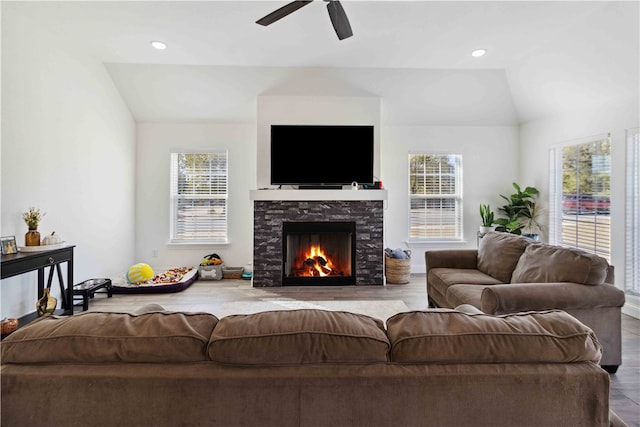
x=24, y=262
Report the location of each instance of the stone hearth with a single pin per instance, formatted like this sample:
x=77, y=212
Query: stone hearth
x=269, y=216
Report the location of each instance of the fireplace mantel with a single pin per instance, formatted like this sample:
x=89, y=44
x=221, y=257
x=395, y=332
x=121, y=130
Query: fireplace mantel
x=318, y=195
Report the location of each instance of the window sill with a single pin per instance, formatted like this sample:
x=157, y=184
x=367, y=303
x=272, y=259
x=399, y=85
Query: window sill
x=435, y=242
x=197, y=243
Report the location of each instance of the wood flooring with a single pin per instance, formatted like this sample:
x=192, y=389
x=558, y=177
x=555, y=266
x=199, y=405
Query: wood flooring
x=211, y=296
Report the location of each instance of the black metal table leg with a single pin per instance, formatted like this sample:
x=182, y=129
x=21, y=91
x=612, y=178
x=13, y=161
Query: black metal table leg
x=63, y=291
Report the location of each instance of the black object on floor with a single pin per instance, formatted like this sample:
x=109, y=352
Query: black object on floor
x=88, y=288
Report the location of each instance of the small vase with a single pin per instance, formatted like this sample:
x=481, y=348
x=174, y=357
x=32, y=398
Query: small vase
x=32, y=238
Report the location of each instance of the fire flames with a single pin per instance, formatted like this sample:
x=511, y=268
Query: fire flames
x=316, y=263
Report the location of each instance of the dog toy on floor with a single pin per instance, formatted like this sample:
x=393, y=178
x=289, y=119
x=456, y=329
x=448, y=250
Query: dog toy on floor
x=139, y=273
x=213, y=259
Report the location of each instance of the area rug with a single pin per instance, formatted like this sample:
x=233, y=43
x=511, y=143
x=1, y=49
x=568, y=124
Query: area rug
x=379, y=309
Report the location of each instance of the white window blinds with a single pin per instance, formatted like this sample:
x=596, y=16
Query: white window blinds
x=199, y=191
x=435, y=194
x=580, y=191
x=632, y=238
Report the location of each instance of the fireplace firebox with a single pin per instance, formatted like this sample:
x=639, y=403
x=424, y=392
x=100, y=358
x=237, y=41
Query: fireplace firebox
x=318, y=253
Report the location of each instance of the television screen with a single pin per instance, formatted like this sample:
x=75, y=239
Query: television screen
x=317, y=156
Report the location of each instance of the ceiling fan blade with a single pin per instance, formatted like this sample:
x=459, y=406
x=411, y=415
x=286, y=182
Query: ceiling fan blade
x=282, y=12
x=339, y=19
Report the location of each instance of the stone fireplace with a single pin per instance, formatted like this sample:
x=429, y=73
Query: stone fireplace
x=318, y=242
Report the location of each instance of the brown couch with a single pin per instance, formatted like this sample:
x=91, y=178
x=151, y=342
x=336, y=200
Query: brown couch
x=305, y=368
x=510, y=274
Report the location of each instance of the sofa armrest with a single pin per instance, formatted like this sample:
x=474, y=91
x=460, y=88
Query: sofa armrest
x=611, y=275
x=451, y=258
x=516, y=297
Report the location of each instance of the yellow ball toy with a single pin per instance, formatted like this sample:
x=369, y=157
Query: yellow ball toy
x=139, y=273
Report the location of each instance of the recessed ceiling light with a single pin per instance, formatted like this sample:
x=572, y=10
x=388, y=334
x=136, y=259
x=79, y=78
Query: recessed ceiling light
x=159, y=45
x=478, y=53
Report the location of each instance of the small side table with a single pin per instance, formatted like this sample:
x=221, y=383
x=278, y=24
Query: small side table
x=88, y=288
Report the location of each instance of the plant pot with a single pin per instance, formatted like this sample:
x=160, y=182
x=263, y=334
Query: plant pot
x=535, y=237
x=484, y=230
x=32, y=238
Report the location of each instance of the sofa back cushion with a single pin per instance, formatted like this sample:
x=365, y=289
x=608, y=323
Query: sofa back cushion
x=498, y=254
x=298, y=337
x=96, y=337
x=542, y=263
x=448, y=336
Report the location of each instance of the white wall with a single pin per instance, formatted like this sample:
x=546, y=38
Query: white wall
x=539, y=136
x=155, y=143
x=489, y=158
x=68, y=147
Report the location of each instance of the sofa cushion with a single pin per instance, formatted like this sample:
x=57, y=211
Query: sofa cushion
x=149, y=308
x=97, y=337
x=469, y=309
x=441, y=279
x=498, y=254
x=298, y=337
x=464, y=294
x=545, y=263
x=454, y=337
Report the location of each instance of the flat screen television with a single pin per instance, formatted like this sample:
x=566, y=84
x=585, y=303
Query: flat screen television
x=321, y=156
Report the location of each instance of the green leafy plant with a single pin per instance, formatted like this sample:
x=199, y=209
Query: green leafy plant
x=529, y=219
x=509, y=225
x=32, y=217
x=520, y=213
x=486, y=215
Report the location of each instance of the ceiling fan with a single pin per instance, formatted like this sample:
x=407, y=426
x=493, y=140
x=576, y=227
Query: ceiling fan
x=336, y=13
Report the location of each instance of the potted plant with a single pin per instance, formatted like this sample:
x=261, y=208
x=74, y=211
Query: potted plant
x=520, y=213
x=486, y=214
x=531, y=226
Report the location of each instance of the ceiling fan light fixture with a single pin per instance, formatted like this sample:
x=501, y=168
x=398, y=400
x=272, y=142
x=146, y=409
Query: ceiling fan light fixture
x=159, y=45
x=478, y=53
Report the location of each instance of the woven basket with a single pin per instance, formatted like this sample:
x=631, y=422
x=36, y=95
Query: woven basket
x=232, y=272
x=397, y=270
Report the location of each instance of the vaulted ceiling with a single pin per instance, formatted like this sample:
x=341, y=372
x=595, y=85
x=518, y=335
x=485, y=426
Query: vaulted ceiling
x=543, y=57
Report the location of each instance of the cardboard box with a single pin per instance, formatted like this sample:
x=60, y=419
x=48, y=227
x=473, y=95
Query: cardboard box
x=210, y=272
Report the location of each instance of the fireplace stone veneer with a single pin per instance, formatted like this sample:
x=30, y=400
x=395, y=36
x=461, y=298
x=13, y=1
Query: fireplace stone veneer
x=270, y=215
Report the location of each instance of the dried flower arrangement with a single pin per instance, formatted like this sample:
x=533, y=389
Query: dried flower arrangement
x=32, y=217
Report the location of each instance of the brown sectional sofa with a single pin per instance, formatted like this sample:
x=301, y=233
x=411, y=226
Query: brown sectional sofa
x=305, y=368
x=510, y=274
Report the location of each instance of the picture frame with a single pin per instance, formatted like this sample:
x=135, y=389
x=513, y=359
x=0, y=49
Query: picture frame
x=8, y=245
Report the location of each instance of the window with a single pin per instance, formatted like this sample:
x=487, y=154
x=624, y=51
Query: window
x=633, y=213
x=580, y=196
x=199, y=197
x=435, y=194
